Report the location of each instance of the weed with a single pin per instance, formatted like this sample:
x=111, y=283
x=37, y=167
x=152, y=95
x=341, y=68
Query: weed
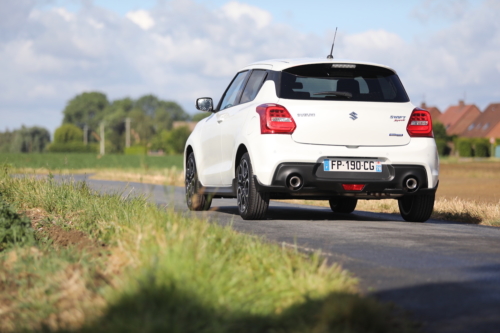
x=15, y=229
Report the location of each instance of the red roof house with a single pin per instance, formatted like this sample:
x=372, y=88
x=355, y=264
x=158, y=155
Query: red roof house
x=487, y=125
x=457, y=118
x=434, y=111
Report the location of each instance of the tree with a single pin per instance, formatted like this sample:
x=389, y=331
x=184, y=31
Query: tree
x=6, y=139
x=68, y=133
x=86, y=109
x=201, y=116
x=171, y=142
x=30, y=140
x=440, y=131
x=114, y=120
x=164, y=112
x=441, y=138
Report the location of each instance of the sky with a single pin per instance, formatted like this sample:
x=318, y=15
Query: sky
x=52, y=50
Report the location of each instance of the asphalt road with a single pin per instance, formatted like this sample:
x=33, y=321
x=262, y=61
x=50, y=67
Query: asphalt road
x=446, y=274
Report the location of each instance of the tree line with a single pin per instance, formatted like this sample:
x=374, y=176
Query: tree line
x=151, y=127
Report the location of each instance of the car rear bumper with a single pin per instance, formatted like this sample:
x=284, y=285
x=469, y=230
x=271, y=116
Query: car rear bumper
x=319, y=184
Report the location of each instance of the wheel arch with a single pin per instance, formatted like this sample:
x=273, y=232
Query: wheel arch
x=242, y=149
x=189, y=150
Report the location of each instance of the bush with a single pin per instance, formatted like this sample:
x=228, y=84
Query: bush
x=136, y=150
x=442, y=147
x=482, y=147
x=73, y=147
x=464, y=147
x=171, y=142
x=68, y=133
x=14, y=228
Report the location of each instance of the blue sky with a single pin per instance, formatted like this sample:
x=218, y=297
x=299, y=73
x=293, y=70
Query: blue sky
x=51, y=50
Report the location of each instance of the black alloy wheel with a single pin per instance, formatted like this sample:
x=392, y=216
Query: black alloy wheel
x=343, y=205
x=195, y=200
x=416, y=208
x=252, y=205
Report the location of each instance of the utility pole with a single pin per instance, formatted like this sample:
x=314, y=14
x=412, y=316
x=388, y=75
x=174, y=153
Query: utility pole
x=102, y=138
x=127, y=132
x=85, y=134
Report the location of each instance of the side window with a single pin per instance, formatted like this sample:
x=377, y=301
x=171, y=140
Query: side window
x=253, y=86
x=232, y=93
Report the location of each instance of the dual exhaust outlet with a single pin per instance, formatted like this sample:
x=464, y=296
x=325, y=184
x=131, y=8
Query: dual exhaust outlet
x=295, y=183
x=411, y=184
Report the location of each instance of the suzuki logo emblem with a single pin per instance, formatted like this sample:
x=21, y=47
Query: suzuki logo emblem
x=353, y=115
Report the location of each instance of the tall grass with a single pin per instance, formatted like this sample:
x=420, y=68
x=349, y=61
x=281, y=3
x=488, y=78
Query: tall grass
x=164, y=271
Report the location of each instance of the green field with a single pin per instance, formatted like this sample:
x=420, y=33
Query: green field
x=61, y=161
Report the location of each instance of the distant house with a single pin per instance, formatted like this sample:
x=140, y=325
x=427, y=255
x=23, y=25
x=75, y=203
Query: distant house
x=487, y=125
x=457, y=118
x=434, y=111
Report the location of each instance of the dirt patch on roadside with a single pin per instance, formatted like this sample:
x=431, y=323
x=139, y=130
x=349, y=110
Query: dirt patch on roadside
x=61, y=237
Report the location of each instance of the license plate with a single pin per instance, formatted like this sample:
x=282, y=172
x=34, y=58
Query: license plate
x=352, y=165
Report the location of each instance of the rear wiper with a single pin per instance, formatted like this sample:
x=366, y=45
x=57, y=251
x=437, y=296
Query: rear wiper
x=335, y=93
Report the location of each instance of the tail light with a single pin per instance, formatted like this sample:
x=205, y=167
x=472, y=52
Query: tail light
x=275, y=119
x=353, y=187
x=420, y=124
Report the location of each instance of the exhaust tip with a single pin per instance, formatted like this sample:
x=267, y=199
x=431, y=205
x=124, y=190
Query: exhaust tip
x=411, y=183
x=295, y=182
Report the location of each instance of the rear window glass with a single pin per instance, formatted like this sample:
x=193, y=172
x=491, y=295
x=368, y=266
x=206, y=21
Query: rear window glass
x=322, y=82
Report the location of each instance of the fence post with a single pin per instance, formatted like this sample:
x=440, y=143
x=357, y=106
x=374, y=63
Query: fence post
x=102, y=138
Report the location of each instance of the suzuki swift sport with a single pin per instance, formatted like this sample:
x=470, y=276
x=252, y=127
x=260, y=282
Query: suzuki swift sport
x=335, y=130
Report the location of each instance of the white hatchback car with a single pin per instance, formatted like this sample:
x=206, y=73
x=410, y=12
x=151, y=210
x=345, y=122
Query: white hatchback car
x=315, y=129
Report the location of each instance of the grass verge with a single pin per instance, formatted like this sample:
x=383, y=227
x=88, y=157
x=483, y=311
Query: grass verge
x=162, y=271
x=457, y=209
x=76, y=161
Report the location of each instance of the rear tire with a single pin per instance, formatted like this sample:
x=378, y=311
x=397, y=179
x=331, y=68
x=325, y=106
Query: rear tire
x=252, y=205
x=194, y=199
x=343, y=205
x=416, y=208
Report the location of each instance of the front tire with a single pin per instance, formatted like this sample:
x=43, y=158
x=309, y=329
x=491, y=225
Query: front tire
x=252, y=205
x=343, y=205
x=416, y=208
x=194, y=199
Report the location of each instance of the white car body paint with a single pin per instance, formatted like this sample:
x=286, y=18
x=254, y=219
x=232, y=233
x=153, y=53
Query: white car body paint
x=324, y=128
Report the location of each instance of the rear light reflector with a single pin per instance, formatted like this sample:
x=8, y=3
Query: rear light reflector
x=353, y=187
x=275, y=119
x=420, y=124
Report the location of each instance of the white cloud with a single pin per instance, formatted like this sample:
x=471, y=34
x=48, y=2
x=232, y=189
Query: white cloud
x=67, y=16
x=190, y=50
x=237, y=10
x=141, y=18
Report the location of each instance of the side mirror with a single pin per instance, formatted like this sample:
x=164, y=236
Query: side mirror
x=205, y=104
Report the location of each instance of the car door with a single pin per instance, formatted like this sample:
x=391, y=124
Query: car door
x=233, y=123
x=213, y=163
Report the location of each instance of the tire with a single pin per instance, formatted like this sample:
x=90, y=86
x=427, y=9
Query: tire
x=343, y=205
x=416, y=208
x=194, y=199
x=252, y=205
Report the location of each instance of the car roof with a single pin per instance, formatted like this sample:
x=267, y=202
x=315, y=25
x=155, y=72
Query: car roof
x=281, y=64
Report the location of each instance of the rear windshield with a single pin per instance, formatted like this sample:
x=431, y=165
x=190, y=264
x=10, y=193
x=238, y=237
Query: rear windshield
x=362, y=83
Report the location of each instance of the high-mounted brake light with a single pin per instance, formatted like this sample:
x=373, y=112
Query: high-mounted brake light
x=275, y=119
x=420, y=124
